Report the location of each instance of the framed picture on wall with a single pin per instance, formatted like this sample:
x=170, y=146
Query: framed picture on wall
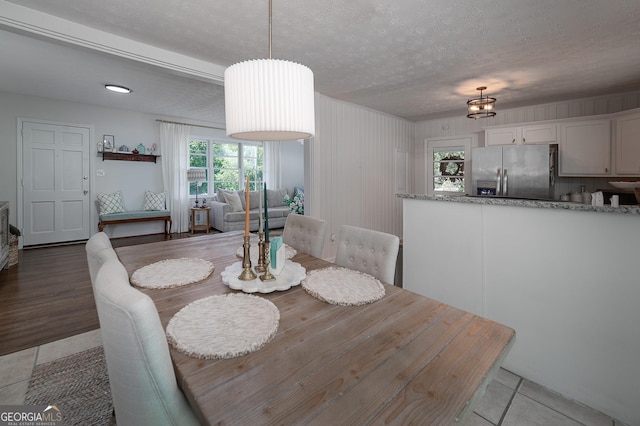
x=109, y=142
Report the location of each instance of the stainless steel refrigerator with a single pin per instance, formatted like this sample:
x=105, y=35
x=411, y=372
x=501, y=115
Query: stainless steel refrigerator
x=515, y=171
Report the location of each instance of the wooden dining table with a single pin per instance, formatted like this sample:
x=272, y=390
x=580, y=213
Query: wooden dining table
x=404, y=359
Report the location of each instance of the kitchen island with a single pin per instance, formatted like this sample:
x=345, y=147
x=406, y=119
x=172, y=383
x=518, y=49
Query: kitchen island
x=521, y=202
x=563, y=275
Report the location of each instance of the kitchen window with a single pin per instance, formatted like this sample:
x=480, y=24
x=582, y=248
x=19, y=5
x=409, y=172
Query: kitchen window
x=447, y=165
x=227, y=165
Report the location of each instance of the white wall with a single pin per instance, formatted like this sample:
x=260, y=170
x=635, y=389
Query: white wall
x=291, y=165
x=461, y=125
x=351, y=176
x=129, y=128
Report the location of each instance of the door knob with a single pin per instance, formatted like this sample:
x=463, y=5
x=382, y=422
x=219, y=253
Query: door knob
x=85, y=192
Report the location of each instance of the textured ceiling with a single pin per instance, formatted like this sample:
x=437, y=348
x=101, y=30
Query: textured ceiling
x=415, y=59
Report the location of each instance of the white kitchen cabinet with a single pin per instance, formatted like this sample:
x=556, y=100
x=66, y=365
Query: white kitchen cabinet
x=533, y=134
x=502, y=136
x=628, y=145
x=585, y=148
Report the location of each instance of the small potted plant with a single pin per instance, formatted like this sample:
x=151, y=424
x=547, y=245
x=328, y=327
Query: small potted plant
x=296, y=205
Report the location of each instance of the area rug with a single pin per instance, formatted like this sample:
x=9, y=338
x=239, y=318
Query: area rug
x=342, y=286
x=77, y=384
x=223, y=326
x=172, y=273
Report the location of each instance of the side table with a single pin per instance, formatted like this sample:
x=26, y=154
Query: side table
x=203, y=227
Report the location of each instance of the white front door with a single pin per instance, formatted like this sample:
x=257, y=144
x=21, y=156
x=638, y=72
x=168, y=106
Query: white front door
x=55, y=183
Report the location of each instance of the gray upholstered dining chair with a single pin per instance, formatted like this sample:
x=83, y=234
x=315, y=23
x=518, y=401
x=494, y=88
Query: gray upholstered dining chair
x=99, y=250
x=305, y=234
x=141, y=376
x=372, y=252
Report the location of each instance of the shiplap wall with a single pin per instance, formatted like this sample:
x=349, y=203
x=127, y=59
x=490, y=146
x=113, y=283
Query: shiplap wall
x=350, y=163
x=461, y=125
x=351, y=168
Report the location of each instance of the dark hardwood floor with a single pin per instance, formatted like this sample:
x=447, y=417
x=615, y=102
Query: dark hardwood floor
x=47, y=296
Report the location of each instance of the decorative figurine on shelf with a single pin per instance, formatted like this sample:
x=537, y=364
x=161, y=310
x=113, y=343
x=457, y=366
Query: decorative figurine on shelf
x=204, y=203
x=141, y=149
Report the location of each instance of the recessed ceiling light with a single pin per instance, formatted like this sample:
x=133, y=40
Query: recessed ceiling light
x=116, y=88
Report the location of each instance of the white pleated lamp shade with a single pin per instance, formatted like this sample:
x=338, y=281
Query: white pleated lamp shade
x=269, y=100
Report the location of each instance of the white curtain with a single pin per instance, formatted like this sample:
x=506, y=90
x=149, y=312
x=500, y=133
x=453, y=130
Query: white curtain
x=272, y=164
x=174, y=148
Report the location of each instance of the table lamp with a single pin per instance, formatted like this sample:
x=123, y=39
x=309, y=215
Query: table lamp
x=196, y=175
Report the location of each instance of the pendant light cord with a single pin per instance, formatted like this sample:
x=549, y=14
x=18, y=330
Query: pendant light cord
x=270, y=29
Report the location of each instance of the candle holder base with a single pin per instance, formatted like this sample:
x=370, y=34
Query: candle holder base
x=247, y=273
x=267, y=276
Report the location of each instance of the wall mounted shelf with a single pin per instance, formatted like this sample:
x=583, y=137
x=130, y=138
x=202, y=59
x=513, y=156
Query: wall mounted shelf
x=129, y=157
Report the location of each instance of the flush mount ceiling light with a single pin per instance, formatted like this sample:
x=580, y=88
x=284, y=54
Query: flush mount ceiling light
x=482, y=107
x=269, y=99
x=116, y=88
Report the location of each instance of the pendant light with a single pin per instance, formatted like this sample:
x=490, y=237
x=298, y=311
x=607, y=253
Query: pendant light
x=482, y=107
x=269, y=99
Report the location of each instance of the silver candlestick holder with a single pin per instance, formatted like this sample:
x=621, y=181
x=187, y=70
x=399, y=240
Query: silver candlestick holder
x=247, y=273
x=267, y=276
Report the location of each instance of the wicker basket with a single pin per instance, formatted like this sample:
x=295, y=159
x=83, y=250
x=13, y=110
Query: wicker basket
x=13, y=250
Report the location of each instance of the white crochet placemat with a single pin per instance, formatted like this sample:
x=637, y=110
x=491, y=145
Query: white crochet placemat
x=289, y=252
x=223, y=326
x=342, y=286
x=172, y=273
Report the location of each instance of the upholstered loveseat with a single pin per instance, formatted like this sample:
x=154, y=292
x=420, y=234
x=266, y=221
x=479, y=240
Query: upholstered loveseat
x=228, y=209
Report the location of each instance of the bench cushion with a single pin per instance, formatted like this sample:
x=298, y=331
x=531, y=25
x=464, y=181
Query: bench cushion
x=134, y=214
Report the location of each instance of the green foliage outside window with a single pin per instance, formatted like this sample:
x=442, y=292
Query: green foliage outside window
x=225, y=165
x=226, y=171
x=448, y=171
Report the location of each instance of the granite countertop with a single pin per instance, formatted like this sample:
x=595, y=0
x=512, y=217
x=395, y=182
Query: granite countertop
x=517, y=202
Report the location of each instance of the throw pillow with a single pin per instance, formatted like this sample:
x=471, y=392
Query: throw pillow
x=275, y=197
x=154, y=201
x=232, y=197
x=111, y=203
x=254, y=199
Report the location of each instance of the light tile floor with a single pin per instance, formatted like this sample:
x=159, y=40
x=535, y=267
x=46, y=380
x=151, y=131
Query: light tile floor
x=508, y=401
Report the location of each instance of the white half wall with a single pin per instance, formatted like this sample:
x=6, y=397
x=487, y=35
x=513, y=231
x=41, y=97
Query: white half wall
x=564, y=280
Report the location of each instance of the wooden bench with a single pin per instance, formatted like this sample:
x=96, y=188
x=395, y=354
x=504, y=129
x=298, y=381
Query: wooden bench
x=136, y=216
